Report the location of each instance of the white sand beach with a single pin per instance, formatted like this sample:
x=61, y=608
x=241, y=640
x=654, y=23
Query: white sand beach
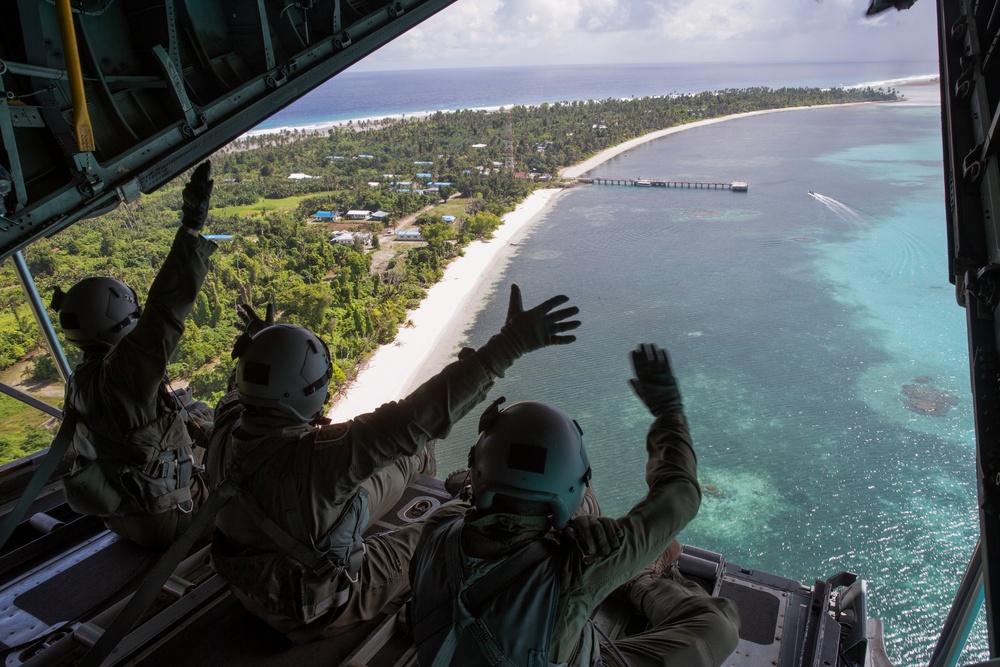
x=451, y=305
x=446, y=311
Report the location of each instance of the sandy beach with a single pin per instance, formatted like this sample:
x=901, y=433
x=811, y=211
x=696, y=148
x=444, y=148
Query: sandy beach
x=442, y=317
x=451, y=305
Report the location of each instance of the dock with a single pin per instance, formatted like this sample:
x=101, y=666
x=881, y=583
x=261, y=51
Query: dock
x=735, y=186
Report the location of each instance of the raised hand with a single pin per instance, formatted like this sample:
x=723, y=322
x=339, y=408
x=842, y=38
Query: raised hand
x=654, y=383
x=533, y=329
x=250, y=324
x=196, y=195
x=528, y=330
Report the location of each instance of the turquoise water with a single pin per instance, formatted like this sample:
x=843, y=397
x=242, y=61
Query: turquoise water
x=810, y=333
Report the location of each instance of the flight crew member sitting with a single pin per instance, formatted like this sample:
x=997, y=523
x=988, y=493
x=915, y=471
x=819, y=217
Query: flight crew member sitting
x=136, y=464
x=290, y=545
x=496, y=586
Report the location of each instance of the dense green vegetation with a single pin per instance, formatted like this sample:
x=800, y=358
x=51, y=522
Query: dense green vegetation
x=276, y=254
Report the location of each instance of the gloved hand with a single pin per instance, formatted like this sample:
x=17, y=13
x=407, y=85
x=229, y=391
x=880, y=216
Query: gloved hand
x=250, y=324
x=528, y=330
x=595, y=536
x=654, y=382
x=196, y=195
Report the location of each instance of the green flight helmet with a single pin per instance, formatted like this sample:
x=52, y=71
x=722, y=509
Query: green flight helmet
x=531, y=451
x=287, y=368
x=97, y=311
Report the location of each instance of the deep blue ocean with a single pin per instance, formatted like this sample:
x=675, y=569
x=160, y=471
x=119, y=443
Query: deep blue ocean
x=353, y=95
x=810, y=322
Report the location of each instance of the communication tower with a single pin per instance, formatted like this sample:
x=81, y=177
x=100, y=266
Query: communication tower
x=509, y=161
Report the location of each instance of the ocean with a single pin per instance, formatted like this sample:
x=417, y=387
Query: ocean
x=819, y=349
x=357, y=95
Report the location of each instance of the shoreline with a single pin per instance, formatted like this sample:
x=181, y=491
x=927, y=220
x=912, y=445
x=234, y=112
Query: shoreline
x=436, y=326
x=321, y=127
x=451, y=305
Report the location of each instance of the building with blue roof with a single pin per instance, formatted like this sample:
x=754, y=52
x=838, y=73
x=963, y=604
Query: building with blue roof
x=448, y=218
x=425, y=175
x=409, y=235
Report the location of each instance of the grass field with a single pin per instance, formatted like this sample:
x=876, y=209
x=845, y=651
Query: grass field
x=455, y=207
x=21, y=431
x=266, y=205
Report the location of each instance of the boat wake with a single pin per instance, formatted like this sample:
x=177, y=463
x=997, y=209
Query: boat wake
x=842, y=211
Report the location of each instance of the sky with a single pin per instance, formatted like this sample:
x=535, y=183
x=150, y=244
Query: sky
x=484, y=33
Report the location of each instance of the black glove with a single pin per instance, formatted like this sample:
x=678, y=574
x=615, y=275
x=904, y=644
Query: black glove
x=528, y=330
x=250, y=324
x=654, y=383
x=595, y=536
x=196, y=195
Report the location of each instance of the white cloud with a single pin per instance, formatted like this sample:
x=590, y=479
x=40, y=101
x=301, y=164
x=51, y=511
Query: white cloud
x=482, y=33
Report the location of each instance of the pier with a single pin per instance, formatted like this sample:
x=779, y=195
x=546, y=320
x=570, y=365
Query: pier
x=735, y=186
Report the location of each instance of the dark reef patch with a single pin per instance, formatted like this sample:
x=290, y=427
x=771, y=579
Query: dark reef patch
x=924, y=399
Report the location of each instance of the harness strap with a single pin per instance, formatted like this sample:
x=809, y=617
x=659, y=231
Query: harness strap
x=281, y=538
x=60, y=444
x=158, y=575
x=499, y=578
x=468, y=604
x=168, y=501
x=459, y=614
x=312, y=558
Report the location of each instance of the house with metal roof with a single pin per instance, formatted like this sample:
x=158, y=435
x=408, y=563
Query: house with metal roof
x=409, y=235
x=348, y=238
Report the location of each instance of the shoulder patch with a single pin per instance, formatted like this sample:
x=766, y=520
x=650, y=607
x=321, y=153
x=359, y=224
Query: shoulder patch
x=328, y=435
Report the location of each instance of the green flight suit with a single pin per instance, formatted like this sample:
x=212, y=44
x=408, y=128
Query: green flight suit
x=305, y=487
x=124, y=402
x=691, y=628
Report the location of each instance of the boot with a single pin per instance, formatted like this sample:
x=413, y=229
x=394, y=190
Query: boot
x=666, y=561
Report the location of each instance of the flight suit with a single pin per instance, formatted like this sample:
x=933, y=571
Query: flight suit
x=306, y=487
x=689, y=626
x=126, y=407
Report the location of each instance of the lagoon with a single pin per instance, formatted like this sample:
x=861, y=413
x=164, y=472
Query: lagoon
x=800, y=326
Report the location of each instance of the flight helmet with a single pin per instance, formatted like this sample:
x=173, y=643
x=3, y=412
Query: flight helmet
x=287, y=368
x=530, y=451
x=97, y=311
